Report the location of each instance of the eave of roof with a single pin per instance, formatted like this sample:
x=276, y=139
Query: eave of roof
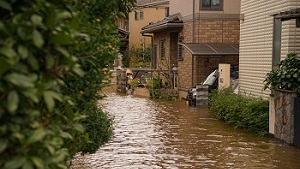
x=212, y=49
x=170, y=22
x=290, y=14
x=162, y=27
x=150, y=3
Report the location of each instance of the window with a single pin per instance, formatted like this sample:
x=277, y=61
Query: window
x=180, y=48
x=136, y=15
x=162, y=49
x=141, y=15
x=211, y=4
x=167, y=11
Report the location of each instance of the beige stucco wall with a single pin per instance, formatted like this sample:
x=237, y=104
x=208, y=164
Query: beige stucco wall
x=256, y=36
x=151, y=14
x=185, y=7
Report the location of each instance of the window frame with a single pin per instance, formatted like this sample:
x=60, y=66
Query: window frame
x=211, y=8
x=136, y=15
x=167, y=11
x=141, y=15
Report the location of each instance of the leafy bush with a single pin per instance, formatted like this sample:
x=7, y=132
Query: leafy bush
x=240, y=111
x=52, y=55
x=137, y=57
x=287, y=76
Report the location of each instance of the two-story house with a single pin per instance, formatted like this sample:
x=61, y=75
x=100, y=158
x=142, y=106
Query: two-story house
x=195, y=38
x=147, y=11
x=267, y=35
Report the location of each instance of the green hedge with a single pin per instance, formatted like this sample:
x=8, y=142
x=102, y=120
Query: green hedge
x=54, y=57
x=240, y=111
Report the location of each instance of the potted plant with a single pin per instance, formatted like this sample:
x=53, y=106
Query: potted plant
x=285, y=82
x=287, y=76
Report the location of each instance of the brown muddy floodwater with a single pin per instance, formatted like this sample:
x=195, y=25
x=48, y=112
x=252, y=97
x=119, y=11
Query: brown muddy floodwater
x=169, y=135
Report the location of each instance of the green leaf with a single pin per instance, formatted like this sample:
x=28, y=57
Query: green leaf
x=4, y=66
x=49, y=97
x=62, y=39
x=33, y=62
x=38, y=162
x=63, y=51
x=23, y=51
x=8, y=52
x=31, y=94
x=78, y=70
x=50, y=149
x=66, y=135
x=15, y=163
x=2, y=27
x=3, y=145
x=49, y=61
x=78, y=127
x=20, y=80
x=37, y=39
x=64, y=15
x=295, y=75
x=12, y=101
x=5, y=5
x=36, y=19
x=27, y=165
x=36, y=136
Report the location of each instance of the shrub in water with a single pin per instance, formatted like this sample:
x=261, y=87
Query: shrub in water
x=240, y=111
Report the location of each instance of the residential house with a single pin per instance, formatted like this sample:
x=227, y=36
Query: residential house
x=264, y=41
x=256, y=44
x=195, y=38
x=147, y=11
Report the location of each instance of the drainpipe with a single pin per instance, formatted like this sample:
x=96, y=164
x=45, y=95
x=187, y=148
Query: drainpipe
x=193, y=41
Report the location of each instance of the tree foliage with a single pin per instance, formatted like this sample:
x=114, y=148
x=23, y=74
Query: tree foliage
x=52, y=60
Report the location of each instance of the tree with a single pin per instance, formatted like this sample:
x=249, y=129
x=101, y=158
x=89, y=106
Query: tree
x=52, y=57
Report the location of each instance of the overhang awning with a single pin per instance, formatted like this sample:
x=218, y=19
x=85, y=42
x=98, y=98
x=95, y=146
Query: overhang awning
x=215, y=49
x=169, y=23
x=287, y=15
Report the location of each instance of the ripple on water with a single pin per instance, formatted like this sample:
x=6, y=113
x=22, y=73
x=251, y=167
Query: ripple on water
x=169, y=135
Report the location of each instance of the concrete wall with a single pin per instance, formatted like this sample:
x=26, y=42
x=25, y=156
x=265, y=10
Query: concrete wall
x=256, y=41
x=151, y=14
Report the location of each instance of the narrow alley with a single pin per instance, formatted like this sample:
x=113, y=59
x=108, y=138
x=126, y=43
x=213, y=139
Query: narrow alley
x=157, y=134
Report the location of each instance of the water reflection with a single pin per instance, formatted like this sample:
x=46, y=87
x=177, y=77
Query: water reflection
x=155, y=134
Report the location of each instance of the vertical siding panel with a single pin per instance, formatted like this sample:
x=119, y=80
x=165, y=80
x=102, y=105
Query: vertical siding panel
x=256, y=41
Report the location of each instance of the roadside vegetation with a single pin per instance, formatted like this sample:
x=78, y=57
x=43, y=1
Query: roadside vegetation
x=137, y=56
x=53, y=57
x=240, y=111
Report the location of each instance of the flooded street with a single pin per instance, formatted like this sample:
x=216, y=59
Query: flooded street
x=169, y=135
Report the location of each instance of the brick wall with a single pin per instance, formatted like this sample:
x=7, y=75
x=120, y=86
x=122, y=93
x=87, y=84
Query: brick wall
x=218, y=31
x=185, y=71
x=206, y=31
x=163, y=64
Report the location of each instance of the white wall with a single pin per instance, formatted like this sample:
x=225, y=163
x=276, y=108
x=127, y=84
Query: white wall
x=256, y=41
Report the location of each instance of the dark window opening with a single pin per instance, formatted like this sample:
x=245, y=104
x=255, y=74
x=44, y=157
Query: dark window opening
x=211, y=4
x=180, y=48
x=141, y=15
x=162, y=49
x=167, y=11
x=136, y=15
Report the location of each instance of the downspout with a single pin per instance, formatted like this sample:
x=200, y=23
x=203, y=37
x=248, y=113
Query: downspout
x=193, y=41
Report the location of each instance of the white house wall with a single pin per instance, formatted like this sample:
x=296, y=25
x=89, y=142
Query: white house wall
x=256, y=41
